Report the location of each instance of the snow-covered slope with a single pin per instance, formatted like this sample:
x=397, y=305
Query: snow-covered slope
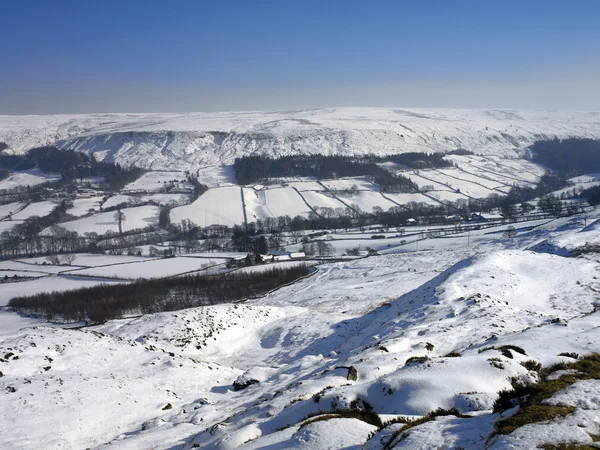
x=402, y=334
x=197, y=140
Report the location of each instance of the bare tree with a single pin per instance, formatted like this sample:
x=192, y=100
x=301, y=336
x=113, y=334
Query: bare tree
x=69, y=258
x=510, y=232
x=120, y=218
x=53, y=259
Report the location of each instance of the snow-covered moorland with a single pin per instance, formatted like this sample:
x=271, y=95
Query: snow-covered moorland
x=442, y=338
x=328, y=361
x=205, y=142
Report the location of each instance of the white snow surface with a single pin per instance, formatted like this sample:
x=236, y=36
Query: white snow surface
x=205, y=142
x=274, y=202
x=83, y=206
x=107, y=385
x=148, y=269
x=27, y=178
x=219, y=206
x=137, y=217
x=40, y=209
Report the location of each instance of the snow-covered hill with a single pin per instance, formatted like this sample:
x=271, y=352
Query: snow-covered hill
x=403, y=334
x=199, y=140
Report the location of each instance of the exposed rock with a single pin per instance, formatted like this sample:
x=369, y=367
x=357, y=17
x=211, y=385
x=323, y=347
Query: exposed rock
x=238, y=385
x=352, y=374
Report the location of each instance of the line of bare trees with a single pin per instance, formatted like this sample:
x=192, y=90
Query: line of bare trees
x=111, y=301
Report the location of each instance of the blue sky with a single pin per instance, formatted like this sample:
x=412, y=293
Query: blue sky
x=99, y=56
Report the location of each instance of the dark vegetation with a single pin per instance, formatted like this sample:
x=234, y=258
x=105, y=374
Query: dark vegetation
x=359, y=409
x=530, y=397
x=532, y=365
x=3, y=146
x=460, y=151
x=4, y=174
x=418, y=160
x=506, y=350
x=71, y=165
x=568, y=157
x=532, y=414
x=440, y=412
x=585, y=249
x=547, y=183
x=253, y=169
x=592, y=195
x=111, y=301
x=367, y=416
x=416, y=360
x=567, y=446
x=199, y=188
x=24, y=237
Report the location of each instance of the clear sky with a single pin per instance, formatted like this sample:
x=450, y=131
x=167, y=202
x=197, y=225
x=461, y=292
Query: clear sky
x=76, y=56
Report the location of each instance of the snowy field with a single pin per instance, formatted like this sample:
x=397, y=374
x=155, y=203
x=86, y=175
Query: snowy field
x=445, y=196
x=348, y=183
x=424, y=180
x=457, y=174
x=322, y=200
x=217, y=255
x=20, y=274
x=589, y=178
x=468, y=184
x=46, y=284
x=149, y=269
x=27, y=178
x=166, y=199
x=40, y=209
x=403, y=199
x=10, y=208
x=34, y=265
x=81, y=260
x=136, y=217
x=161, y=199
x=84, y=206
x=274, y=202
x=306, y=185
x=367, y=200
x=219, y=206
x=466, y=188
x=157, y=181
x=504, y=170
x=117, y=199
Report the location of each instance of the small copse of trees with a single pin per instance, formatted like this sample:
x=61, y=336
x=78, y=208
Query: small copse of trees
x=111, y=301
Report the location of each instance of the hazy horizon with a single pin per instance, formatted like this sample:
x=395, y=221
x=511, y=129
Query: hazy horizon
x=141, y=57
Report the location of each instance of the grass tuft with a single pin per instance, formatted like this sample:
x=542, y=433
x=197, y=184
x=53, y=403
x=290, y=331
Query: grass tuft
x=416, y=360
x=569, y=446
x=506, y=350
x=369, y=417
x=532, y=365
x=531, y=414
x=413, y=423
x=569, y=355
x=530, y=397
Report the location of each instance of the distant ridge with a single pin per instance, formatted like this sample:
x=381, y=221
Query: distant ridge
x=206, y=142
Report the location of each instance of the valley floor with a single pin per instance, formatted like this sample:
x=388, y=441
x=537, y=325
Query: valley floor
x=369, y=340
